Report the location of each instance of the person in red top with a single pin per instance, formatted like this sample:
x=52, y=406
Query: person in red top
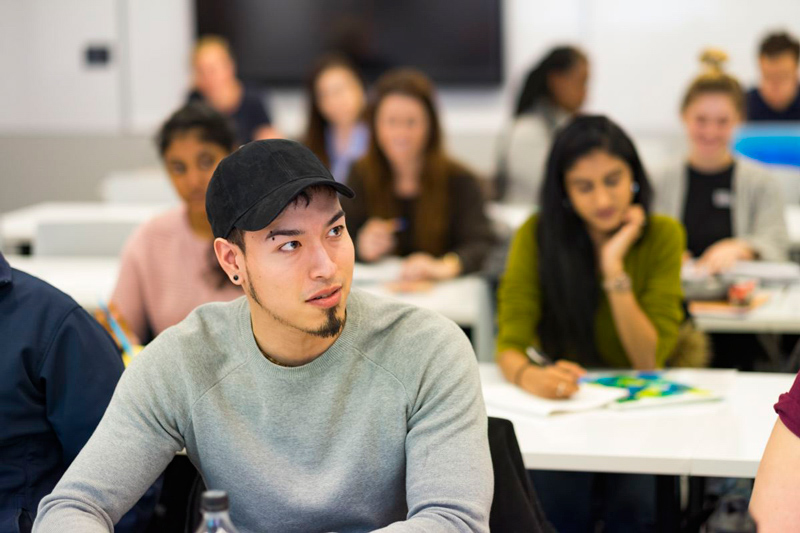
x=776, y=493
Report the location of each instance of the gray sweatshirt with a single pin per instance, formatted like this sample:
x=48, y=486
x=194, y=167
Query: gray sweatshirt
x=386, y=429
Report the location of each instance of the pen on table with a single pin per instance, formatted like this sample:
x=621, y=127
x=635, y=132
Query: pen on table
x=542, y=360
x=127, y=348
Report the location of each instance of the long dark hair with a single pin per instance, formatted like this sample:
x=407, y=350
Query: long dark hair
x=433, y=211
x=558, y=60
x=314, y=137
x=567, y=264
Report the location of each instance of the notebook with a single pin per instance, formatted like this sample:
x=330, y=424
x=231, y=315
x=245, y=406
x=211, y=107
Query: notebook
x=653, y=389
x=512, y=398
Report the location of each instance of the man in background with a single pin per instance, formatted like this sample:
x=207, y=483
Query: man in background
x=777, y=97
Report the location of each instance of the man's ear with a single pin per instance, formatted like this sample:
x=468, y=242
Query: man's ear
x=230, y=258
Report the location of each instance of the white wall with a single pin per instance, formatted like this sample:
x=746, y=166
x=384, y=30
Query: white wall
x=643, y=54
x=47, y=86
x=159, y=39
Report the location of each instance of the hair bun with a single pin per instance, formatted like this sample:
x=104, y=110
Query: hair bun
x=713, y=59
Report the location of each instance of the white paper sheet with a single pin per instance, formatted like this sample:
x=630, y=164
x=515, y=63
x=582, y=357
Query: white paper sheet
x=512, y=398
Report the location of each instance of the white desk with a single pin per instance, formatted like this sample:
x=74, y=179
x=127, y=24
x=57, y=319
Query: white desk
x=86, y=279
x=781, y=314
x=792, y=214
x=18, y=227
x=725, y=438
x=466, y=301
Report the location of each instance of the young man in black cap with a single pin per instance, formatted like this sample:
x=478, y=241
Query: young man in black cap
x=316, y=408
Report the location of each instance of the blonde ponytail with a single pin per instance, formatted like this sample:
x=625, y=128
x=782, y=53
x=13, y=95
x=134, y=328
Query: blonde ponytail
x=714, y=79
x=713, y=61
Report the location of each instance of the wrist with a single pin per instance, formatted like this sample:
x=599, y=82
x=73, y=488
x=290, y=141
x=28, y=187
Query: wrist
x=619, y=282
x=612, y=268
x=521, y=371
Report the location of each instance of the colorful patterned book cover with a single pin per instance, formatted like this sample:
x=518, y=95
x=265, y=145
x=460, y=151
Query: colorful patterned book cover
x=646, y=389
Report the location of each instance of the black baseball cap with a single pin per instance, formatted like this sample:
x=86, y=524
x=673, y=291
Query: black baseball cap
x=254, y=184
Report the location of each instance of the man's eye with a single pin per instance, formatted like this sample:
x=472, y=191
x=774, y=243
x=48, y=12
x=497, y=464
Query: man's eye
x=290, y=246
x=337, y=231
x=205, y=162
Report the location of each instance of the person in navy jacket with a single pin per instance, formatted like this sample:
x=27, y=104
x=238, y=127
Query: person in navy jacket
x=58, y=371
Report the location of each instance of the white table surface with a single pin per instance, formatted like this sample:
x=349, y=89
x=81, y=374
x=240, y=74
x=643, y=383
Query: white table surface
x=86, y=279
x=18, y=227
x=465, y=300
x=792, y=214
x=724, y=438
x=780, y=314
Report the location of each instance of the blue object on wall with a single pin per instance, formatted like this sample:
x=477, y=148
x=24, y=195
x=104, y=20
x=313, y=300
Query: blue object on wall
x=775, y=144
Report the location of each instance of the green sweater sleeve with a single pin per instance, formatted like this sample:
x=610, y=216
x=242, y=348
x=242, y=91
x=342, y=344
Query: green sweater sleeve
x=519, y=296
x=661, y=296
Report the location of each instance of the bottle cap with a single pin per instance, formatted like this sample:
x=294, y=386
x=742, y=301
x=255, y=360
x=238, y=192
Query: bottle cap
x=214, y=501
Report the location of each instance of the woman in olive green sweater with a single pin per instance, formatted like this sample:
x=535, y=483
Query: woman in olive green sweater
x=592, y=280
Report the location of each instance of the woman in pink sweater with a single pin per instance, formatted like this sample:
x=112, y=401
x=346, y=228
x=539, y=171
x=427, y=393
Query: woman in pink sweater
x=168, y=266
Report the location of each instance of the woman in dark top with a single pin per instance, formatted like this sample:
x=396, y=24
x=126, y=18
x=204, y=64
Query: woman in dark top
x=412, y=199
x=731, y=207
x=216, y=84
x=336, y=131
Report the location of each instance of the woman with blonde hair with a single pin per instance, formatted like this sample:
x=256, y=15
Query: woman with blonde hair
x=412, y=199
x=731, y=207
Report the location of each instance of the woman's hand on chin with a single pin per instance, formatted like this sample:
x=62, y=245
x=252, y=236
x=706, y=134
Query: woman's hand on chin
x=613, y=250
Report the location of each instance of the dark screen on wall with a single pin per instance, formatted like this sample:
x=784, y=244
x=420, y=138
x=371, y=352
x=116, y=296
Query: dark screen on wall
x=455, y=42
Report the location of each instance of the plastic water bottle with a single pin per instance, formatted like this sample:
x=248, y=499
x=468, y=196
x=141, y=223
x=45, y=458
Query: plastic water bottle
x=216, y=518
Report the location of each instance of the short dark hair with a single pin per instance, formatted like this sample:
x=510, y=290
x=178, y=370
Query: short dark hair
x=210, y=126
x=776, y=44
x=236, y=236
